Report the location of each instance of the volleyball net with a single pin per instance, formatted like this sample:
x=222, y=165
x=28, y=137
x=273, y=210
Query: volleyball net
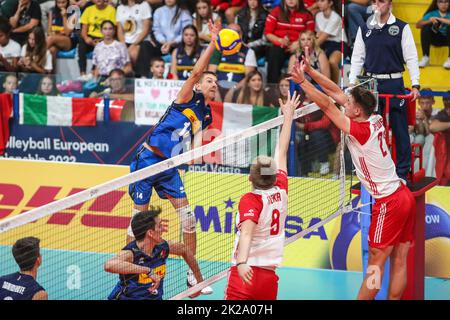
x=214, y=176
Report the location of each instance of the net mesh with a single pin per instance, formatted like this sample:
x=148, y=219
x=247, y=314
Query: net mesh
x=79, y=233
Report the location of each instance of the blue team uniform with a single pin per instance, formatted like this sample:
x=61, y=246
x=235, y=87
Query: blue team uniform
x=18, y=286
x=386, y=44
x=136, y=286
x=177, y=126
x=185, y=63
x=232, y=67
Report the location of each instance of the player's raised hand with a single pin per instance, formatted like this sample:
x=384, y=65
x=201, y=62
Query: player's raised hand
x=306, y=61
x=245, y=272
x=214, y=28
x=156, y=281
x=288, y=107
x=297, y=73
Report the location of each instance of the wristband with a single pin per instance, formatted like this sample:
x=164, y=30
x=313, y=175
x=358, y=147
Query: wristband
x=239, y=263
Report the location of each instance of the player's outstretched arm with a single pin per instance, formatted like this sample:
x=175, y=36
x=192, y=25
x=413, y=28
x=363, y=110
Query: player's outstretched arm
x=180, y=249
x=288, y=109
x=185, y=94
x=325, y=83
x=324, y=102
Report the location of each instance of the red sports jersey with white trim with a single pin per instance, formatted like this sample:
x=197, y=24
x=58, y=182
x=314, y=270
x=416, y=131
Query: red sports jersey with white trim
x=268, y=209
x=371, y=157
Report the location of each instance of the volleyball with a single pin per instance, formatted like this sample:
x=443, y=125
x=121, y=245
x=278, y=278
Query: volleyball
x=228, y=42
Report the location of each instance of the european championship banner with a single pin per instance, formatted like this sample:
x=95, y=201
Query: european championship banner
x=152, y=98
x=106, y=143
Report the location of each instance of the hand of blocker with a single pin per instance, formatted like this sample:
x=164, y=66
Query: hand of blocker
x=291, y=104
x=156, y=281
x=305, y=63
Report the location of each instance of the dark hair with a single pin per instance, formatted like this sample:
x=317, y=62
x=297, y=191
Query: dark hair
x=5, y=26
x=198, y=19
x=39, y=53
x=117, y=70
x=155, y=59
x=284, y=11
x=108, y=21
x=259, y=9
x=144, y=221
x=56, y=12
x=433, y=6
x=208, y=72
x=26, y=252
x=125, y=2
x=54, y=91
x=444, y=99
x=196, y=44
x=181, y=6
x=365, y=99
x=245, y=95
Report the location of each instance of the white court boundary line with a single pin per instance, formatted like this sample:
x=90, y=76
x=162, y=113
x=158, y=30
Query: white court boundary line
x=101, y=189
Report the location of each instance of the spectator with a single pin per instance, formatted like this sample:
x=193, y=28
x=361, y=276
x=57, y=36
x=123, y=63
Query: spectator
x=91, y=34
x=9, y=49
x=420, y=132
x=61, y=24
x=329, y=34
x=34, y=57
x=440, y=126
x=228, y=8
x=110, y=54
x=283, y=27
x=186, y=55
x=284, y=88
x=203, y=13
x=252, y=20
x=47, y=87
x=318, y=58
x=232, y=69
x=357, y=14
x=435, y=30
x=23, y=16
x=133, y=25
x=252, y=92
x=10, y=83
x=168, y=24
x=157, y=68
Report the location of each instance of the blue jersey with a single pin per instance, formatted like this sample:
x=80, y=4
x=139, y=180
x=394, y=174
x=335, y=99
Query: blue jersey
x=136, y=286
x=18, y=286
x=232, y=67
x=181, y=121
x=386, y=43
x=185, y=63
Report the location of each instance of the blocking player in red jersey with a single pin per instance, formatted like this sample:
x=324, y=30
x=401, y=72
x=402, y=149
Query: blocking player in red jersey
x=392, y=224
x=259, y=244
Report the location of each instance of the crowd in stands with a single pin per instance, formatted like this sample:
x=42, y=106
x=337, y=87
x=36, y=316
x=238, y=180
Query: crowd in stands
x=128, y=39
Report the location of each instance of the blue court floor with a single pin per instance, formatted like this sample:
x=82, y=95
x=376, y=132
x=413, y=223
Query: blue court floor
x=321, y=284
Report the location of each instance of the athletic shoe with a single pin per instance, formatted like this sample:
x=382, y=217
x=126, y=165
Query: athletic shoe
x=424, y=62
x=191, y=281
x=447, y=63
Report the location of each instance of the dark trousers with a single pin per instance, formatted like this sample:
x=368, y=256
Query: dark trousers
x=276, y=58
x=314, y=145
x=428, y=38
x=147, y=52
x=83, y=50
x=398, y=122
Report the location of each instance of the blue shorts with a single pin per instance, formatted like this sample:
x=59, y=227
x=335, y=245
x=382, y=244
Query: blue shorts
x=167, y=183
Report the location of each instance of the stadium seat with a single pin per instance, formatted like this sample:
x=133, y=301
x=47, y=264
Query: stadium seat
x=70, y=54
x=167, y=58
x=261, y=62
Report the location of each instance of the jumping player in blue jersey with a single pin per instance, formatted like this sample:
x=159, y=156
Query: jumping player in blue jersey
x=185, y=118
x=141, y=264
x=22, y=285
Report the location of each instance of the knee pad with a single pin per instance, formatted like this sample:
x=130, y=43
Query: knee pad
x=129, y=231
x=187, y=218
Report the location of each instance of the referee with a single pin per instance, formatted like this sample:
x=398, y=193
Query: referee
x=382, y=50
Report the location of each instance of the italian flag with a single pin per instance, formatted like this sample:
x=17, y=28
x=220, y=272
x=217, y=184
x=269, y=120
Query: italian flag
x=230, y=118
x=64, y=111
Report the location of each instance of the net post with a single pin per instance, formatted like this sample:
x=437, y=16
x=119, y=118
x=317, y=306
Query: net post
x=106, y=102
x=16, y=108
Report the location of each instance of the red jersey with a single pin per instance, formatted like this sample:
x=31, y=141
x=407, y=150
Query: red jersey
x=268, y=209
x=298, y=22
